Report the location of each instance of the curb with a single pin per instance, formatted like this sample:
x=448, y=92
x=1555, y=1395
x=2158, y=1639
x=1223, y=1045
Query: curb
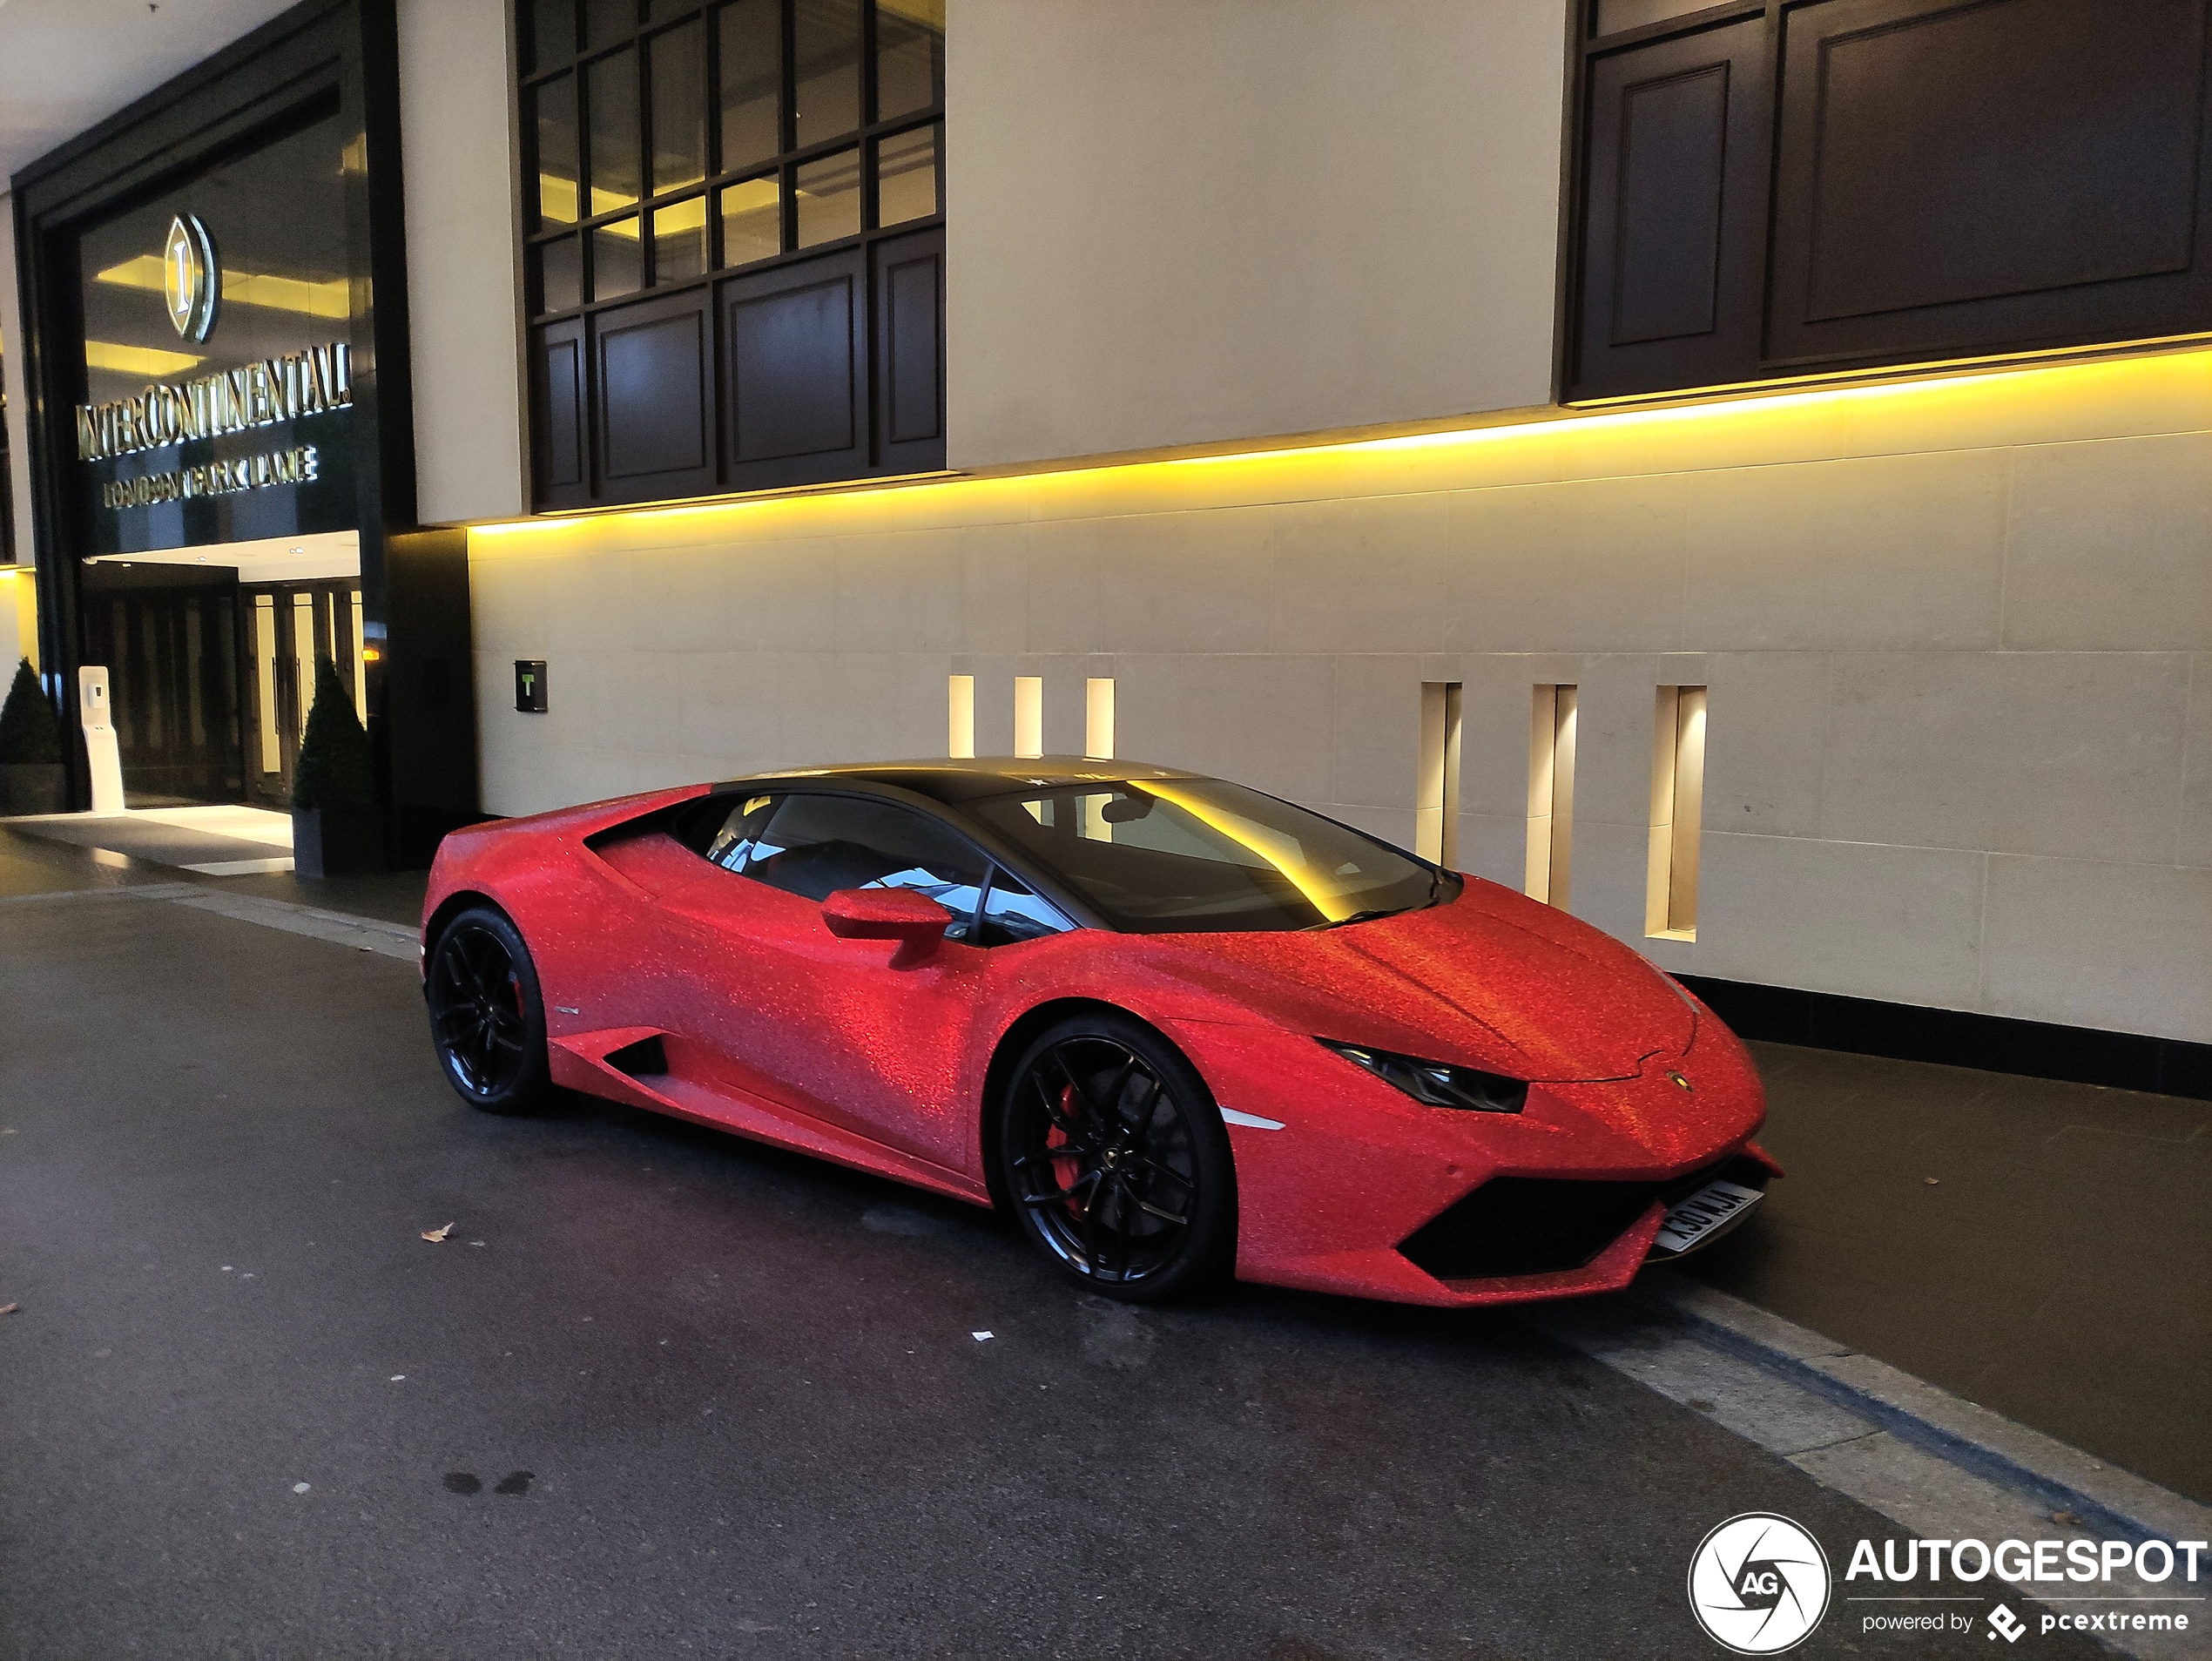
x=2112, y=1502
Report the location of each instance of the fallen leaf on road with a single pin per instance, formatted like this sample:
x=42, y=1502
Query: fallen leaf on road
x=436, y=1236
x=2065, y=1519
x=9, y=1308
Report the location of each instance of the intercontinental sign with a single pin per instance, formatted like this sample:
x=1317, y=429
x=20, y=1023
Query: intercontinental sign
x=230, y=400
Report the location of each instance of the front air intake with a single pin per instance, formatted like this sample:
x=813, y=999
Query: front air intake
x=1513, y=1225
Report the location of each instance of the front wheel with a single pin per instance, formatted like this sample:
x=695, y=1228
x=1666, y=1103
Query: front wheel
x=1117, y=1160
x=486, y=1017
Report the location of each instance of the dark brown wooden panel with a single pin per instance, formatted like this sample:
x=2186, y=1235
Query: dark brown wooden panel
x=796, y=345
x=1961, y=178
x=557, y=425
x=909, y=289
x=1673, y=214
x=1666, y=270
x=654, y=402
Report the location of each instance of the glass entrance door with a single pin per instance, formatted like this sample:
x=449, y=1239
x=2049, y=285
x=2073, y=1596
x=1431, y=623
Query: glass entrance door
x=289, y=626
x=168, y=636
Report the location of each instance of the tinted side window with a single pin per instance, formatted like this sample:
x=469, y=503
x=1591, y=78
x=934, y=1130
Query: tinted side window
x=710, y=825
x=1012, y=912
x=813, y=846
x=728, y=841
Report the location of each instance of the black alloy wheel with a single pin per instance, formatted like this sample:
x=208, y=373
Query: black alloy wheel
x=1116, y=1161
x=486, y=1017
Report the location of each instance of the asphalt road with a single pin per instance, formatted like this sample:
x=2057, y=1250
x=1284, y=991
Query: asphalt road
x=665, y=1393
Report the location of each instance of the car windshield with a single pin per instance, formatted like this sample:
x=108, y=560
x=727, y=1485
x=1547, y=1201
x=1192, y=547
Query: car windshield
x=1200, y=855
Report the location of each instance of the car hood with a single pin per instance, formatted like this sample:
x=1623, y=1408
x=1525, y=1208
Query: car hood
x=1491, y=979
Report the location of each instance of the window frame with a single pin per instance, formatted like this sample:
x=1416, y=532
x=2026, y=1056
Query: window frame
x=535, y=235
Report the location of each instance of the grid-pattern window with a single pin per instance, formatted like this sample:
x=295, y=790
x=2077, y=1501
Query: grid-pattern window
x=669, y=142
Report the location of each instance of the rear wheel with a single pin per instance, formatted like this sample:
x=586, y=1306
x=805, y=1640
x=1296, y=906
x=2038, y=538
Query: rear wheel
x=1116, y=1161
x=486, y=1017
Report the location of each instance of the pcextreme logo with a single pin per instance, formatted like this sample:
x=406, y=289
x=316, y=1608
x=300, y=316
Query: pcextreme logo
x=1758, y=1584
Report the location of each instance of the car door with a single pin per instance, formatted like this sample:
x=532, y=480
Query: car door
x=854, y=1032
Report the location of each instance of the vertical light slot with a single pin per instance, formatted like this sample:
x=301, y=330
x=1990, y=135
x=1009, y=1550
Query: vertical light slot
x=1029, y=715
x=265, y=680
x=1436, y=803
x=1678, y=813
x=960, y=717
x=361, y=665
x=1098, y=719
x=195, y=651
x=303, y=653
x=1551, y=795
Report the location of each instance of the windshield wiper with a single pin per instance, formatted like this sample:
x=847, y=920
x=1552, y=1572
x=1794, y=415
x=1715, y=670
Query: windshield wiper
x=1375, y=913
x=1360, y=916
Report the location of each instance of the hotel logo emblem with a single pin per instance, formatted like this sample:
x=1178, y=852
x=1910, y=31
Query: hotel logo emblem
x=190, y=277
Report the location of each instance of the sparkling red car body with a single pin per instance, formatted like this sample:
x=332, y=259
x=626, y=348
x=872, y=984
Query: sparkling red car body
x=866, y=1053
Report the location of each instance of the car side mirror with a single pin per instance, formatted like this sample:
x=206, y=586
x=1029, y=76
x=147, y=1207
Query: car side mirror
x=1122, y=809
x=913, y=920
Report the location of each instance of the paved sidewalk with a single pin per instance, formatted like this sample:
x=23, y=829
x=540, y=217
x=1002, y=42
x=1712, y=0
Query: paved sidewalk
x=2044, y=1249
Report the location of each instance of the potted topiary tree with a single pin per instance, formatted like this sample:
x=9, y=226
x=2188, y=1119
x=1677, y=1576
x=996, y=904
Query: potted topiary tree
x=30, y=748
x=336, y=830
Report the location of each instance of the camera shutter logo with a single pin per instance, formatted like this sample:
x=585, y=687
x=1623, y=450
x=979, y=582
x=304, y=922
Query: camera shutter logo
x=191, y=280
x=1758, y=1584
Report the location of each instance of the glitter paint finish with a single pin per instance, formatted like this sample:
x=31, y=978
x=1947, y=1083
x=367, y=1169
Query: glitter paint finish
x=875, y=1055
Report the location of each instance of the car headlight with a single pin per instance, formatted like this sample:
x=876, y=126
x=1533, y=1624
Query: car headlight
x=1436, y=1083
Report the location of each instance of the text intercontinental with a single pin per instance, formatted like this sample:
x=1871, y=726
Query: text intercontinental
x=230, y=400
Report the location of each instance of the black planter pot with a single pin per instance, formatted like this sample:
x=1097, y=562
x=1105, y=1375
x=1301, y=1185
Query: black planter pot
x=326, y=843
x=30, y=788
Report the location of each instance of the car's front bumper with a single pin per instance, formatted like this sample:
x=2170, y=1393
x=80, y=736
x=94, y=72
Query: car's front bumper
x=1363, y=1192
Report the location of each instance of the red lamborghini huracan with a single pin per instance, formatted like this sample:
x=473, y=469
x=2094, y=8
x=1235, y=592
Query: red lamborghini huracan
x=1175, y=1026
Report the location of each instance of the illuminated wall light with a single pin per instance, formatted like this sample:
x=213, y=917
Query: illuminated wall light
x=361, y=663
x=135, y=360
x=1098, y=719
x=303, y=654
x=265, y=680
x=18, y=617
x=1969, y=396
x=331, y=297
x=1029, y=715
x=1551, y=795
x=1436, y=804
x=960, y=713
x=1678, y=813
x=558, y=199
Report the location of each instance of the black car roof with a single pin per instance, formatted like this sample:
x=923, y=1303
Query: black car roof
x=954, y=782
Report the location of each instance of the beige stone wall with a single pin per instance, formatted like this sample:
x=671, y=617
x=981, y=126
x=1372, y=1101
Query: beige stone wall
x=1959, y=640
x=1182, y=221
x=458, y=160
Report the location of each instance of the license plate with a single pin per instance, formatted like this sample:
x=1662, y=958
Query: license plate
x=1716, y=1206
